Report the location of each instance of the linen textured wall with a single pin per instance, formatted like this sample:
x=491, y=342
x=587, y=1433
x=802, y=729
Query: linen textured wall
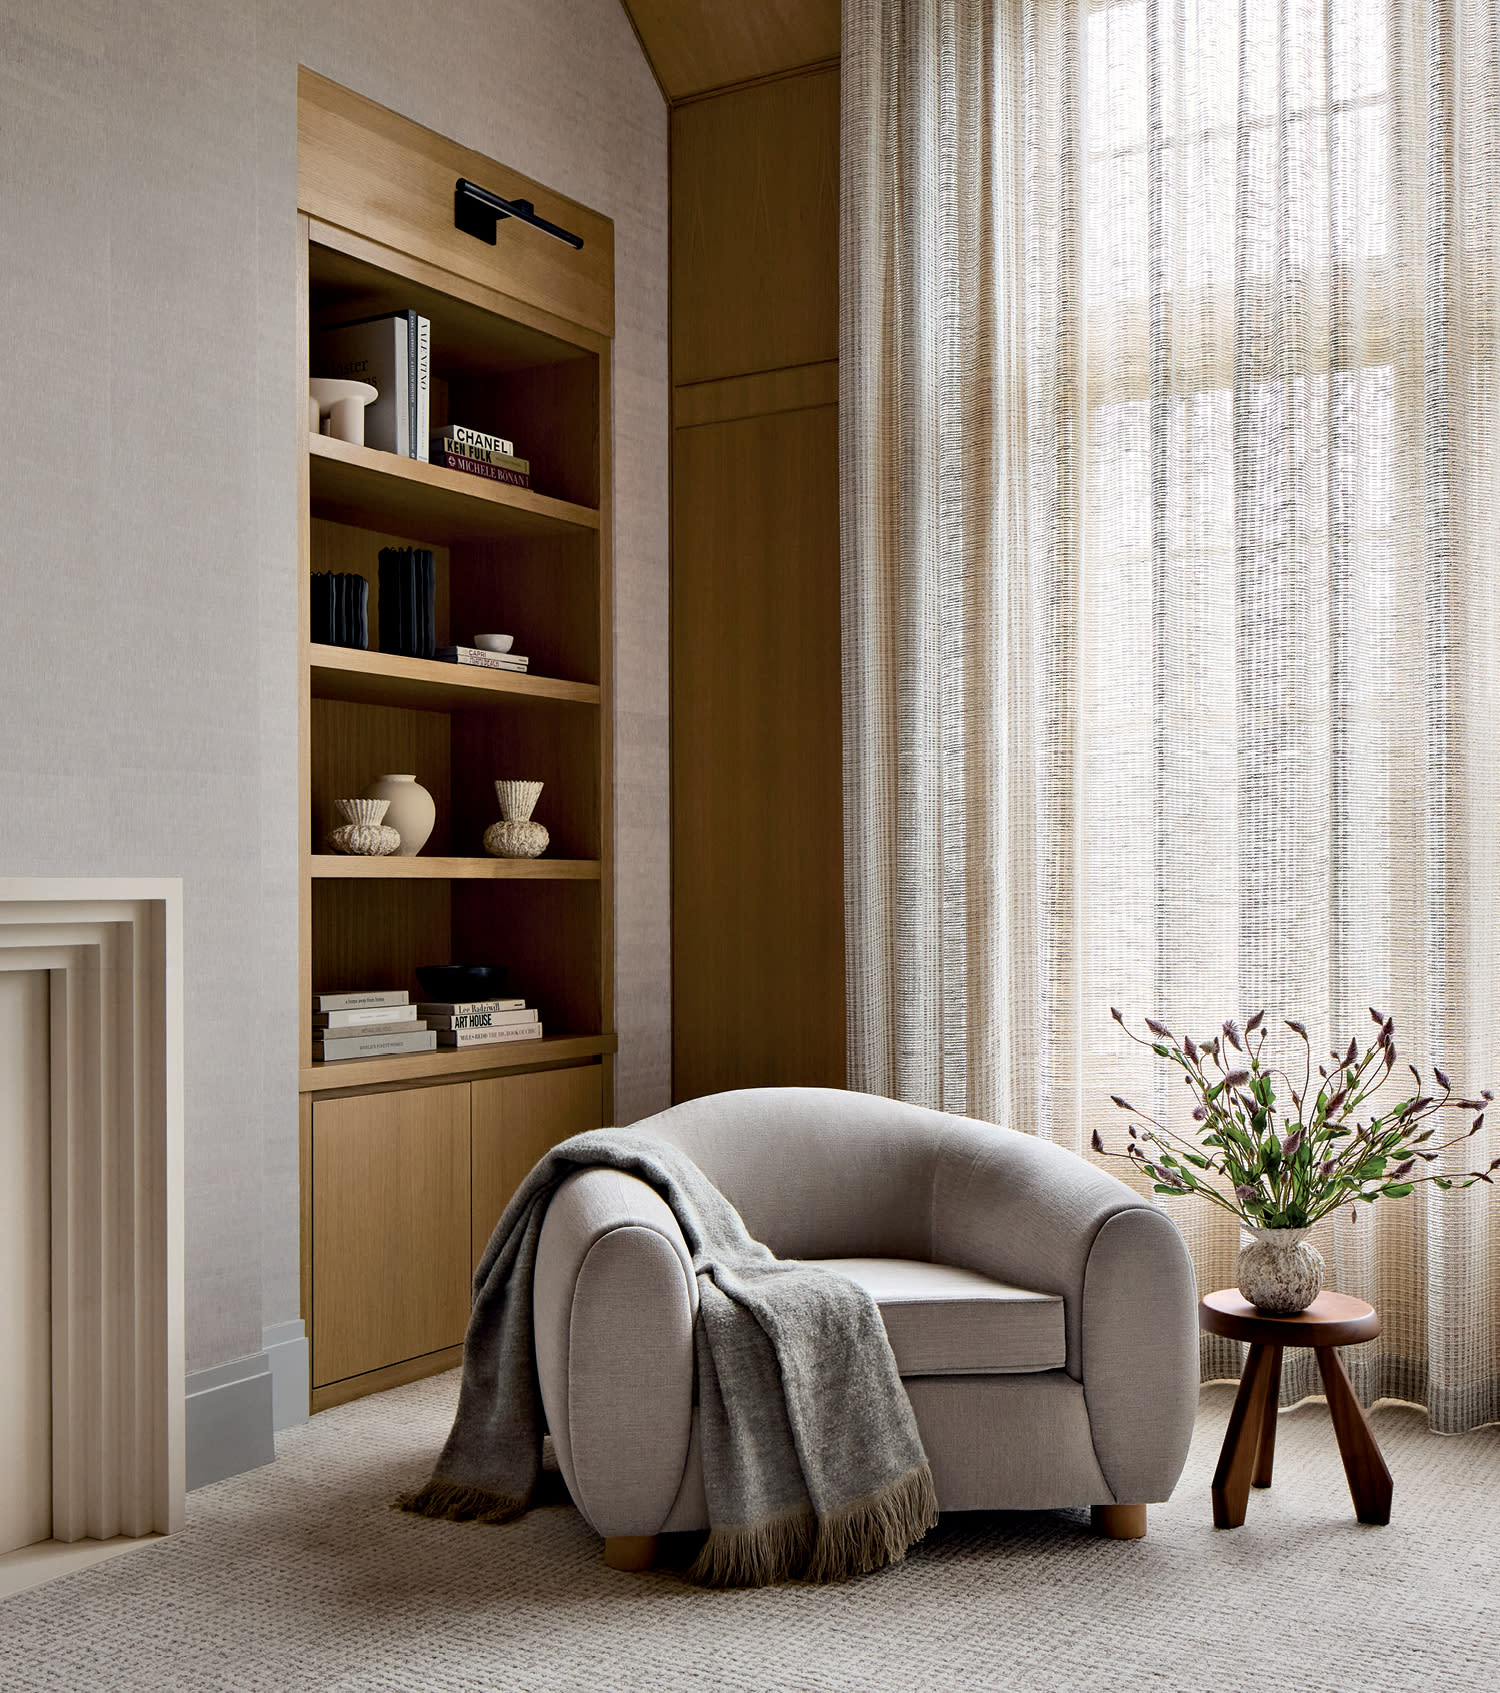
x=1170, y=466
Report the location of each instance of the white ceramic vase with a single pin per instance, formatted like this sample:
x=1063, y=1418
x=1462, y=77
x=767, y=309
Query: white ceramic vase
x=412, y=811
x=1279, y=1271
x=515, y=835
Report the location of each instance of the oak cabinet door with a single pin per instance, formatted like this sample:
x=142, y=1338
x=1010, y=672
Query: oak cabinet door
x=516, y=1119
x=390, y=1195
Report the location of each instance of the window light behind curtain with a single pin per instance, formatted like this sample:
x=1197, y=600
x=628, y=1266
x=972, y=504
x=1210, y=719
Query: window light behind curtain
x=1170, y=455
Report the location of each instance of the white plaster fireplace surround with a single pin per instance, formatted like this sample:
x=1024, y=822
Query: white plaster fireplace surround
x=112, y=953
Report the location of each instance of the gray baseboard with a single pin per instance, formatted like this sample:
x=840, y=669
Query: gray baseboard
x=286, y=1351
x=229, y=1420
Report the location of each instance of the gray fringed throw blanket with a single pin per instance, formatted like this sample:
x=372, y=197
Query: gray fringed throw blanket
x=812, y=1465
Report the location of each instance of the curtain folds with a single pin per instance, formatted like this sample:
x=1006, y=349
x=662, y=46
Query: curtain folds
x=1170, y=457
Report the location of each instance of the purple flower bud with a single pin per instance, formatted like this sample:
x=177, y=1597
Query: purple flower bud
x=1232, y=1035
x=1291, y=1143
x=1124, y=1105
x=1236, y=1078
x=1296, y=1027
x=1247, y=1193
x=1376, y=1015
x=1200, y=1114
x=1442, y=1081
x=1255, y=1022
x=1190, y=1049
x=1096, y=1142
x=1117, y=1017
x=1158, y=1028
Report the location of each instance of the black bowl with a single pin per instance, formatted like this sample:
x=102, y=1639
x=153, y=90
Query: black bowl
x=457, y=984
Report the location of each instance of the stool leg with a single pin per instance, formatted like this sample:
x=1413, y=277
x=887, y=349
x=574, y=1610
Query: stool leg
x=1370, y=1483
x=1231, y=1483
x=1265, y=1457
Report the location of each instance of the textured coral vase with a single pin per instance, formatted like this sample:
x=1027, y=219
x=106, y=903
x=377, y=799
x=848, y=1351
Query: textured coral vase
x=363, y=833
x=1280, y=1272
x=516, y=836
x=412, y=812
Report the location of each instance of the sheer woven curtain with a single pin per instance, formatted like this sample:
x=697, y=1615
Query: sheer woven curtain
x=1170, y=466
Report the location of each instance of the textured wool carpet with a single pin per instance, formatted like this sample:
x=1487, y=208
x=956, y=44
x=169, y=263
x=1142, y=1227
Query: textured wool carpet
x=299, y=1576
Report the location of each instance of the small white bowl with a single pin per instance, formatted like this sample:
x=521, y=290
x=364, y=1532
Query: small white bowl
x=494, y=643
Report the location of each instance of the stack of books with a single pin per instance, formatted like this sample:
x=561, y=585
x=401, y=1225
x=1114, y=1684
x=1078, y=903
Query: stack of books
x=478, y=655
x=479, y=454
x=368, y=1025
x=481, y=1022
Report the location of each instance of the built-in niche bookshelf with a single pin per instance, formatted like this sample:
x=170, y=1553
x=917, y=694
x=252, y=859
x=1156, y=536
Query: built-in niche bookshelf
x=378, y=234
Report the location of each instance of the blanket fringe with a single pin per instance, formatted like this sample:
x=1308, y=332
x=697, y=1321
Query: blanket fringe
x=452, y=1503
x=757, y=1554
x=797, y=1546
x=867, y=1536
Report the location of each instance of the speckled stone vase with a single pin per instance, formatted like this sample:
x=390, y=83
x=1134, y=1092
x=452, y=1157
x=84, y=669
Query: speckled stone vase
x=516, y=836
x=1279, y=1271
x=363, y=833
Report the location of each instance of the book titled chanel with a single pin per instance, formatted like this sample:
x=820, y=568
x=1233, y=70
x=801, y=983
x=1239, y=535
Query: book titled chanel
x=478, y=438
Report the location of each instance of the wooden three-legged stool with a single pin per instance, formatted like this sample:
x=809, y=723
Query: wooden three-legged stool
x=1333, y=1319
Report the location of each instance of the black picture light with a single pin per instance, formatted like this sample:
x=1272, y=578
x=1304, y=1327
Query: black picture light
x=476, y=211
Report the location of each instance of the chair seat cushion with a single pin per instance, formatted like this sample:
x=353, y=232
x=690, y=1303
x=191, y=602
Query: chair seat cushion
x=943, y=1321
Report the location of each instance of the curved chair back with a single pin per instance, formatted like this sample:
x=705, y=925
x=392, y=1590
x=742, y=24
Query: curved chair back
x=817, y=1172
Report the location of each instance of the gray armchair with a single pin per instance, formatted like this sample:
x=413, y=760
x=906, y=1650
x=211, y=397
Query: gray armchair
x=1041, y=1314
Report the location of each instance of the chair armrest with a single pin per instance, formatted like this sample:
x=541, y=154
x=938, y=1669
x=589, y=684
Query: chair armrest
x=614, y=1300
x=1140, y=1353
x=1023, y=1211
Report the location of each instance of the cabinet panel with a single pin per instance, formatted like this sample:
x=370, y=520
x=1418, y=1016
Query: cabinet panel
x=515, y=1120
x=755, y=229
x=390, y=1200
x=757, y=824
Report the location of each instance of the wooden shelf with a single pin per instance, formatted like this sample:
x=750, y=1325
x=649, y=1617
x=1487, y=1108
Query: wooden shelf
x=341, y=867
x=423, y=684
x=454, y=1063
x=428, y=502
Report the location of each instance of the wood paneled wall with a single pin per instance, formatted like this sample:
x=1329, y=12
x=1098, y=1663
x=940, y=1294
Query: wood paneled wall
x=757, y=831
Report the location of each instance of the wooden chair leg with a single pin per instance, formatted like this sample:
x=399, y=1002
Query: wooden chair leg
x=1231, y=1484
x=630, y=1551
x=1119, y=1522
x=1370, y=1483
x=1265, y=1456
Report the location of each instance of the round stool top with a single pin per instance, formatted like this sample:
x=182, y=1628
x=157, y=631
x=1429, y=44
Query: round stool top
x=1333, y=1319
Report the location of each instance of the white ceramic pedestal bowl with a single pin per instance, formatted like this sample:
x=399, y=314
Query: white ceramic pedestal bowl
x=343, y=403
